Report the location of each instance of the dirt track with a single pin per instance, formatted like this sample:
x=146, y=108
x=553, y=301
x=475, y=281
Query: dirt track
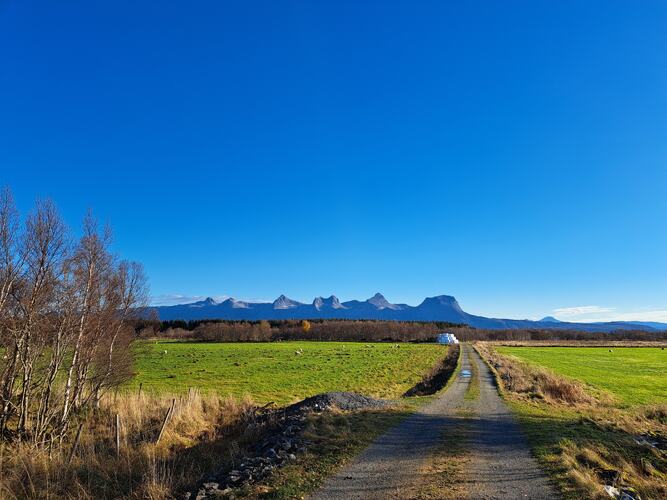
x=500, y=464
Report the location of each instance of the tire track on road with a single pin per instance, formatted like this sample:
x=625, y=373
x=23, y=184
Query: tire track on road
x=499, y=462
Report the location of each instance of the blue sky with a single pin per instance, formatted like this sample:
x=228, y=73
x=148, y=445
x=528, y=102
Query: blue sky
x=512, y=154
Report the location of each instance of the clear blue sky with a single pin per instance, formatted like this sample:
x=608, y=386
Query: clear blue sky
x=513, y=154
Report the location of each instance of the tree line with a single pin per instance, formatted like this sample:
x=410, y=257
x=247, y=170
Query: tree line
x=362, y=331
x=466, y=333
x=67, y=317
x=275, y=330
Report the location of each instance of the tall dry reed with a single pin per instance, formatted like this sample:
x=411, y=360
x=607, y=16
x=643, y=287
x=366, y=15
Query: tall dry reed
x=203, y=432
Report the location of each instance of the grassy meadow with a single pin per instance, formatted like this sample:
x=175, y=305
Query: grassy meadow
x=275, y=372
x=583, y=409
x=633, y=376
x=209, y=427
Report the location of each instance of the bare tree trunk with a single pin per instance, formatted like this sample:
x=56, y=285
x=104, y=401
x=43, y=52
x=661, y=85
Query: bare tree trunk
x=9, y=378
x=77, y=349
x=43, y=416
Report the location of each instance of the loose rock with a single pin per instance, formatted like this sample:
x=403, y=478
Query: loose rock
x=283, y=442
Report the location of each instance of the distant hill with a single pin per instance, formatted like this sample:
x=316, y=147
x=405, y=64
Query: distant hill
x=650, y=324
x=439, y=308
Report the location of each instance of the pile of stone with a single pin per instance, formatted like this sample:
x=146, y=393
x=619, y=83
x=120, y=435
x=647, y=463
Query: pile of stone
x=282, y=444
x=346, y=401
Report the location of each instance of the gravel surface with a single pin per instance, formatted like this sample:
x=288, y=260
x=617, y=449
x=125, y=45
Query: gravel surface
x=346, y=401
x=500, y=465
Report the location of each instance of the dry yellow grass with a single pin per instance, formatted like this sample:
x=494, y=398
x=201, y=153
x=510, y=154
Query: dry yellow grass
x=538, y=383
x=202, y=432
x=584, y=439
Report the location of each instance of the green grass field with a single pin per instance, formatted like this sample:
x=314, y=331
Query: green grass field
x=273, y=372
x=577, y=444
x=633, y=375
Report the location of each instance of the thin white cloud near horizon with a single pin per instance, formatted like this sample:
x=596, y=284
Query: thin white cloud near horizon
x=174, y=299
x=594, y=314
x=580, y=310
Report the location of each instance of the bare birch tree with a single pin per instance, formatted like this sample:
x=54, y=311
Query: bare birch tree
x=66, y=315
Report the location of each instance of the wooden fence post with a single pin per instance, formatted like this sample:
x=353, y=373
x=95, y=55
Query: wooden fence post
x=117, y=434
x=76, y=443
x=166, y=419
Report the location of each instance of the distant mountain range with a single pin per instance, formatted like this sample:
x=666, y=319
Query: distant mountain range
x=440, y=308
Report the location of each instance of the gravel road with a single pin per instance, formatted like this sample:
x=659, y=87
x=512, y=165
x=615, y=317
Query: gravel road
x=500, y=465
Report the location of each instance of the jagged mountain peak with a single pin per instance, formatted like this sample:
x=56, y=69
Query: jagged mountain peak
x=284, y=302
x=208, y=301
x=235, y=304
x=378, y=300
x=331, y=301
